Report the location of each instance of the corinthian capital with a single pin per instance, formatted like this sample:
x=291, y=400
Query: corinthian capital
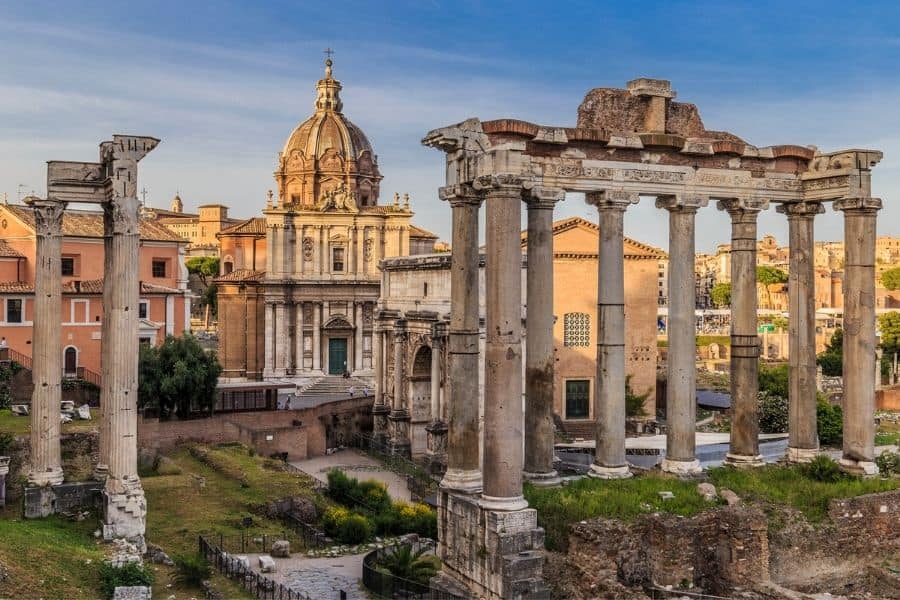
x=48, y=215
x=122, y=215
x=858, y=204
x=459, y=194
x=800, y=209
x=747, y=204
x=682, y=202
x=612, y=199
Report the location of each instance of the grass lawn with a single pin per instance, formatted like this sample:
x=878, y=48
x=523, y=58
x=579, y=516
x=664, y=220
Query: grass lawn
x=888, y=433
x=22, y=425
x=559, y=508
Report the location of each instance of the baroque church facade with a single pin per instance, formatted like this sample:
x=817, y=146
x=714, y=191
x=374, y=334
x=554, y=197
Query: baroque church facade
x=304, y=279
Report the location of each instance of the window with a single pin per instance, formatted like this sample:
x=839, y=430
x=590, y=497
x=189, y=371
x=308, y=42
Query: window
x=143, y=309
x=337, y=259
x=578, y=397
x=79, y=311
x=68, y=266
x=228, y=267
x=146, y=341
x=159, y=268
x=577, y=330
x=14, y=310
x=425, y=290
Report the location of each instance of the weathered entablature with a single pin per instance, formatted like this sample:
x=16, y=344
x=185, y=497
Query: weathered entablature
x=629, y=143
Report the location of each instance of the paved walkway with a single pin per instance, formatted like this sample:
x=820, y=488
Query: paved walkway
x=319, y=578
x=355, y=464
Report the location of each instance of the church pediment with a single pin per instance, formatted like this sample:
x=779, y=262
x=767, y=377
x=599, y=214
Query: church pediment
x=338, y=322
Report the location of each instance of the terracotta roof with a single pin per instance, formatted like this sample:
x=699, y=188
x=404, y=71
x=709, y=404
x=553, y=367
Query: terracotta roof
x=646, y=250
x=7, y=251
x=254, y=226
x=90, y=224
x=418, y=232
x=84, y=286
x=242, y=275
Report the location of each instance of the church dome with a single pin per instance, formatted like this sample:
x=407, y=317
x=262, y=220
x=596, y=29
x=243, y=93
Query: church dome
x=327, y=152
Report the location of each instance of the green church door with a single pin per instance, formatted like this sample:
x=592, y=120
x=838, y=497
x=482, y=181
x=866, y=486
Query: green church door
x=337, y=356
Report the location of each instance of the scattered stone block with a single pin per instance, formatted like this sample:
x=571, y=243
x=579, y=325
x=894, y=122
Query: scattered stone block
x=666, y=495
x=266, y=563
x=730, y=497
x=132, y=592
x=20, y=410
x=67, y=406
x=64, y=418
x=708, y=491
x=84, y=412
x=281, y=549
x=157, y=555
x=242, y=559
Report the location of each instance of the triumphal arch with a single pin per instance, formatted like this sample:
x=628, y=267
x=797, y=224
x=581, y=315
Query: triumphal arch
x=627, y=144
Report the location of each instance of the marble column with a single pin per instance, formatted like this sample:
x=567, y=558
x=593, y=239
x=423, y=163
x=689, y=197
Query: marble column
x=437, y=428
x=803, y=442
x=45, y=467
x=463, y=439
x=317, y=337
x=609, y=402
x=380, y=410
x=280, y=341
x=358, y=340
x=539, y=356
x=269, y=350
x=399, y=418
x=298, y=338
x=744, y=445
x=503, y=407
x=681, y=388
x=859, y=334
x=126, y=509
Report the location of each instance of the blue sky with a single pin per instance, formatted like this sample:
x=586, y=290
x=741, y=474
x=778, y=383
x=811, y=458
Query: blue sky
x=223, y=84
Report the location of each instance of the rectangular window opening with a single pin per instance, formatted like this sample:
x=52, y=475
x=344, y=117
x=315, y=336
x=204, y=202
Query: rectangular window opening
x=67, y=263
x=14, y=310
x=337, y=259
x=159, y=268
x=578, y=399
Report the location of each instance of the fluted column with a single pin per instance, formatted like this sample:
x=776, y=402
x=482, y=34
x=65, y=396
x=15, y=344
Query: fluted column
x=859, y=334
x=317, y=337
x=282, y=344
x=503, y=406
x=609, y=404
x=744, y=446
x=45, y=467
x=539, y=355
x=463, y=440
x=803, y=443
x=298, y=338
x=269, y=350
x=437, y=428
x=681, y=387
x=399, y=417
x=358, y=339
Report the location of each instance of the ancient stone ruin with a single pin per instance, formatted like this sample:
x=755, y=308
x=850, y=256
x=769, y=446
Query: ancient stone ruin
x=111, y=183
x=627, y=143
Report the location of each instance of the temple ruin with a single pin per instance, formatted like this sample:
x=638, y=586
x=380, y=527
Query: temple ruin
x=627, y=143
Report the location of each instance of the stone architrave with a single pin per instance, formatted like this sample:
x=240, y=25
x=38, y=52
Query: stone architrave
x=45, y=467
x=539, y=356
x=803, y=443
x=744, y=446
x=859, y=334
x=463, y=440
x=681, y=388
x=609, y=406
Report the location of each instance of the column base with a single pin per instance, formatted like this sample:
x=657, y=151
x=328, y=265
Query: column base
x=502, y=503
x=601, y=472
x=744, y=461
x=125, y=511
x=53, y=476
x=681, y=467
x=101, y=472
x=548, y=479
x=800, y=455
x=862, y=468
x=462, y=481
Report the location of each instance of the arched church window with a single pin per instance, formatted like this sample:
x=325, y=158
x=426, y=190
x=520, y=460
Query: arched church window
x=576, y=330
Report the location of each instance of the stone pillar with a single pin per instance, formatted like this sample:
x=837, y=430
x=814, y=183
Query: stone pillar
x=45, y=467
x=609, y=403
x=681, y=389
x=269, y=350
x=380, y=410
x=280, y=340
x=125, y=508
x=317, y=337
x=358, y=341
x=539, y=356
x=437, y=428
x=463, y=440
x=744, y=446
x=859, y=334
x=4, y=471
x=803, y=444
x=298, y=338
x=503, y=406
x=400, y=415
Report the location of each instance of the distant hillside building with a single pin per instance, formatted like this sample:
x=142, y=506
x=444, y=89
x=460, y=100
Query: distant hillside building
x=199, y=229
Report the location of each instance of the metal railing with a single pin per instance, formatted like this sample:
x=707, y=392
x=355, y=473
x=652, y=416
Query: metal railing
x=255, y=583
x=18, y=357
x=418, y=480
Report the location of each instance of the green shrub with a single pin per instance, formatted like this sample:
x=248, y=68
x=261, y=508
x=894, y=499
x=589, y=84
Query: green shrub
x=6, y=442
x=128, y=574
x=372, y=495
x=888, y=462
x=774, y=381
x=191, y=570
x=406, y=564
x=823, y=469
x=340, y=486
x=634, y=403
x=355, y=529
x=829, y=423
x=773, y=413
x=332, y=520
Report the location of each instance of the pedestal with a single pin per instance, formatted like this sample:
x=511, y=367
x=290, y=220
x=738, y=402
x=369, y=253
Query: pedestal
x=399, y=445
x=125, y=512
x=436, y=453
x=380, y=414
x=489, y=554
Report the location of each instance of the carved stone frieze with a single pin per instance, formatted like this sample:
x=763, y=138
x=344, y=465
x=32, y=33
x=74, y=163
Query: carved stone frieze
x=307, y=248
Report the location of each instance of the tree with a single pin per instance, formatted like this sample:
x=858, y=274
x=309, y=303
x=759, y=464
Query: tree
x=889, y=324
x=405, y=563
x=767, y=275
x=832, y=359
x=720, y=294
x=891, y=279
x=203, y=267
x=178, y=377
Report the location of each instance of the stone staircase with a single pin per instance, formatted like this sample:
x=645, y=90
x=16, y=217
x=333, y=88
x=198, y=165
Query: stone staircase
x=336, y=387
